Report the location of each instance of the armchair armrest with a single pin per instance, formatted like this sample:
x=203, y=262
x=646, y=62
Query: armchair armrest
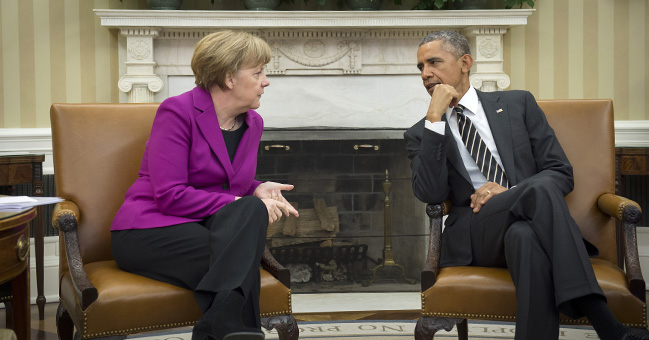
x=270, y=264
x=629, y=213
x=431, y=266
x=65, y=218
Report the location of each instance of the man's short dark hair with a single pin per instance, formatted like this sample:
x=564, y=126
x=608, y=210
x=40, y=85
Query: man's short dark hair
x=452, y=42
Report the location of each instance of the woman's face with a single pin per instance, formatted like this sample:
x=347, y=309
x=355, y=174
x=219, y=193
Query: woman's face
x=248, y=86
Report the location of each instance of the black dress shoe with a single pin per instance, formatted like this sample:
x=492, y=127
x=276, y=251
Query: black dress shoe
x=224, y=317
x=202, y=330
x=244, y=336
x=636, y=334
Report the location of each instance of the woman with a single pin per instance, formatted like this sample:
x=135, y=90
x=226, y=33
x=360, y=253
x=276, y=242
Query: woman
x=195, y=217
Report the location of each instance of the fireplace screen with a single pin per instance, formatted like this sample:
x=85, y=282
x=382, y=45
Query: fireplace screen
x=360, y=227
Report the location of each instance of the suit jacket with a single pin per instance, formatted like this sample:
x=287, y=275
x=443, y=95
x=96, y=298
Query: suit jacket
x=528, y=149
x=186, y=174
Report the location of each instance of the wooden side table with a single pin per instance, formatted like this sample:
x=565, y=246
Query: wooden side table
x=628, y=161
x=14, y=266
x=22, y=169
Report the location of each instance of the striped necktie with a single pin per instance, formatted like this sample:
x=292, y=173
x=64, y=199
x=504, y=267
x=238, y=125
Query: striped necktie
x=478, y=149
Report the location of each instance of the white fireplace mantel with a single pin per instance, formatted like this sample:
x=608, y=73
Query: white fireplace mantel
x=358, y=66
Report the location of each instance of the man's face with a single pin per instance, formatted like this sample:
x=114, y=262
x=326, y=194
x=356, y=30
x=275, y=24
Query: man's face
x=439, y=66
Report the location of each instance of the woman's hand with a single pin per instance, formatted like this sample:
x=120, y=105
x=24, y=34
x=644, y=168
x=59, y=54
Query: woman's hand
x=271, y=194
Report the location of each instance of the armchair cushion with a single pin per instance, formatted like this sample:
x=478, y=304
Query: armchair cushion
x=129, y=303
x=496, y=300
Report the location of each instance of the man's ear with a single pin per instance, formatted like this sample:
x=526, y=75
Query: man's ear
x=467, y=62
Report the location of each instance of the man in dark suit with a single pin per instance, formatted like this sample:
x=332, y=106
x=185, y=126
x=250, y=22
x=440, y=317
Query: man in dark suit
x=498, y=161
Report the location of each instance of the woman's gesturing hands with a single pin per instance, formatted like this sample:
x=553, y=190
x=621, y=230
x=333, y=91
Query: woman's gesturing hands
x=271, y=194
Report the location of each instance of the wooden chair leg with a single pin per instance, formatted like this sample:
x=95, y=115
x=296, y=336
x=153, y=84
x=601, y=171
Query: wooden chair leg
x=427, y=326
x=64, y=324
x=9, y=315
x=463, y=330
x=285, y=325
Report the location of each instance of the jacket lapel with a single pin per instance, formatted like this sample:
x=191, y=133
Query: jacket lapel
x=208, y=123
x=498, y=117
x=246, y=146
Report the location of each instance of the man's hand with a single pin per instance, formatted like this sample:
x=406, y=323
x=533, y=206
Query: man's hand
x=443, y=97
x=271, y=194
x=484, y=194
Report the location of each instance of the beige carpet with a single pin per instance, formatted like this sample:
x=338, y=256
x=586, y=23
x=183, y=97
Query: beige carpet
x=389, y=330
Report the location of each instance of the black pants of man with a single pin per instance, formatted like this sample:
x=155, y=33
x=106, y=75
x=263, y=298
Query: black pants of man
x=218, y=254
x=529, y=230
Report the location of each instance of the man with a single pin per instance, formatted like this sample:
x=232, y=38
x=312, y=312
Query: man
x=507, y=193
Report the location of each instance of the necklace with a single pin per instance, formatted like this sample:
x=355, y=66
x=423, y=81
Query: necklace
x=231, y=127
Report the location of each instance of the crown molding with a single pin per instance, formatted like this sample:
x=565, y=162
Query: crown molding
x=312, y=19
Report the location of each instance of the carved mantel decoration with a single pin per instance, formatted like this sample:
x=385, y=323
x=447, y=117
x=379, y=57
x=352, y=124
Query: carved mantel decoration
x=155, y=49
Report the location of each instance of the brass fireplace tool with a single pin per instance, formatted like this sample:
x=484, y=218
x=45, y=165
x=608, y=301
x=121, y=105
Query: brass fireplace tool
x=388, y=254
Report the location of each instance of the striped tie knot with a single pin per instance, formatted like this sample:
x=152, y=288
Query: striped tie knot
x=478, y=149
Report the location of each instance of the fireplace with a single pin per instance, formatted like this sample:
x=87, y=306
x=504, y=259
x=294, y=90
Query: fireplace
x=341, y=188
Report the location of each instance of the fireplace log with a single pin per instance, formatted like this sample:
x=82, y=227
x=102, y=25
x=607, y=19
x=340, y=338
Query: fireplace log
x=326, y=222
x=290, y=225
x=307, y=228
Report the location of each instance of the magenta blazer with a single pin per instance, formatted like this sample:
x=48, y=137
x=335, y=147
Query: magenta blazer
x=186, y=174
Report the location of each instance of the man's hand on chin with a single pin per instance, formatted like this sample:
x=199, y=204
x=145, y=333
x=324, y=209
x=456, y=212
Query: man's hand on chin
x=442, y=96
x=484, y=194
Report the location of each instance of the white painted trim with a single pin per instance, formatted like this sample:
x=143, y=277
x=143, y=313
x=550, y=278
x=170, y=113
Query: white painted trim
x=32, y=140
x=632, y=133
x=311, y=19
x=628, y=133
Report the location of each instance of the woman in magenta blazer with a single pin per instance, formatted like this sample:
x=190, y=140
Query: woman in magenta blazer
x=195, y=217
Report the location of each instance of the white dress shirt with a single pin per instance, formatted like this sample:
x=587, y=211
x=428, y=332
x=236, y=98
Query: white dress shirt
x=474, y=111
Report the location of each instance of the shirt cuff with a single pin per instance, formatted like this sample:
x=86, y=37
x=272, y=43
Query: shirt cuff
x=438, y=127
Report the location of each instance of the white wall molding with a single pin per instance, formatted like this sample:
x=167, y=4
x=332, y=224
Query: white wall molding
x=311, y=19
x=38, y=141
x=632, y=133
x=628, y=133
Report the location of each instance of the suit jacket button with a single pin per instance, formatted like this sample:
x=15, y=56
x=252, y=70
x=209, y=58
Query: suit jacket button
x=226, y=186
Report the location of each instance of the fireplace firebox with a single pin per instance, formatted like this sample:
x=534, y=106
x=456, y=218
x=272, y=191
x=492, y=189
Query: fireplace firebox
x=340, y=236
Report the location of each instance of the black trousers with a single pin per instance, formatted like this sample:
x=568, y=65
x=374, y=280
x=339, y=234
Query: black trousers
x=529, y=230
x=218, y=254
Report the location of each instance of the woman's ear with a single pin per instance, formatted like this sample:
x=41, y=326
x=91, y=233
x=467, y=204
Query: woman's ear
x=229, y=81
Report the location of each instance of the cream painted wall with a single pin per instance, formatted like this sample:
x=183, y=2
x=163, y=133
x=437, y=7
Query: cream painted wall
x=56, y=51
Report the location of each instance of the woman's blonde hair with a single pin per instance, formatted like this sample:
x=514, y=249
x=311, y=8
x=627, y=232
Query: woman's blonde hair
x=225, y=52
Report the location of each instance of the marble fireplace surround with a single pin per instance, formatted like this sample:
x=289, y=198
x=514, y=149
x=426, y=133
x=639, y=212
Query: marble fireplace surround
x=331, y=71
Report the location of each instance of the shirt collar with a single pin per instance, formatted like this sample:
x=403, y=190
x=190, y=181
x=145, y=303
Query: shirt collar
x=470, y=100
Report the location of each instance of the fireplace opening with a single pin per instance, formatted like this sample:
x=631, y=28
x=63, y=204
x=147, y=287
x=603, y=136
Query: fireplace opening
x=360, y=227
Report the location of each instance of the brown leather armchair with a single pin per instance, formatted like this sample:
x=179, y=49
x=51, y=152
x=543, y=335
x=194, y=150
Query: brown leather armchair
x=97, y=153
x=452, y=295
